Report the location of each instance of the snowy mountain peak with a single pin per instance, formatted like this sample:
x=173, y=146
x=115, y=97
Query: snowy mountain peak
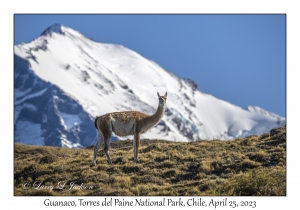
x=97, y=78
x=61, y=30
x=55, y=28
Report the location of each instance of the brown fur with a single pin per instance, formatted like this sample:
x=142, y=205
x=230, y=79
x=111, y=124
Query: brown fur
x=124, y=124
x=128, y=115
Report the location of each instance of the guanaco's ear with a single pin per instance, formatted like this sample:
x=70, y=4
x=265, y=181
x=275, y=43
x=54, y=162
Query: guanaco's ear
x=166, y=94
x=158, y=94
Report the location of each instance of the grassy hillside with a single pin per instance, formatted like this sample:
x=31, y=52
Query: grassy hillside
x=255, y=165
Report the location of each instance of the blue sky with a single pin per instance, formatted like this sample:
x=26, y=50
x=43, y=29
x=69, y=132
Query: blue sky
x=237, y=58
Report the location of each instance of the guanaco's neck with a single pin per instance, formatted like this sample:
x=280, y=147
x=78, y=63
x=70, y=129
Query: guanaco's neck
x=154, y=119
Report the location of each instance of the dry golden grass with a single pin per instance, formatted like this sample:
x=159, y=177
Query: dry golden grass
x=255, y=165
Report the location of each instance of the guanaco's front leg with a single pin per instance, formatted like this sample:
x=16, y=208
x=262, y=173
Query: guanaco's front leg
x=136, y=144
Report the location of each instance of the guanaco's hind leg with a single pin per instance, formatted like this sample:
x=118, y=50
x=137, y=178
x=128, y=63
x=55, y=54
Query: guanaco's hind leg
x=98, y=144
x=136, y=144
x=106, y=148
x=107, y=136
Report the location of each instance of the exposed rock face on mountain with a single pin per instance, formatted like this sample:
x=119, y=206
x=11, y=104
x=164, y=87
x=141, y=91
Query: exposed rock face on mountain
x=45, y=115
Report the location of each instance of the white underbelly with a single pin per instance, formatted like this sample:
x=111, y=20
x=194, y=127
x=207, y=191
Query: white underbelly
x=123, y=128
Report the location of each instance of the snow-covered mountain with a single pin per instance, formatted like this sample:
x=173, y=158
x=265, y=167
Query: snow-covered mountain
x=63, y=80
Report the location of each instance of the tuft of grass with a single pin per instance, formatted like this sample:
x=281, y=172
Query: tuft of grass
x=171, y=173
x=205, y=166
x=50, y=158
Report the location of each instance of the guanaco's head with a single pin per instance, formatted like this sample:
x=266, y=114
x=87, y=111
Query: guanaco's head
x=162, y=99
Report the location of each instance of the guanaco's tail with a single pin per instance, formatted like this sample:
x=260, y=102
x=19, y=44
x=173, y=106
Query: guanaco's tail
x=95, y=122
